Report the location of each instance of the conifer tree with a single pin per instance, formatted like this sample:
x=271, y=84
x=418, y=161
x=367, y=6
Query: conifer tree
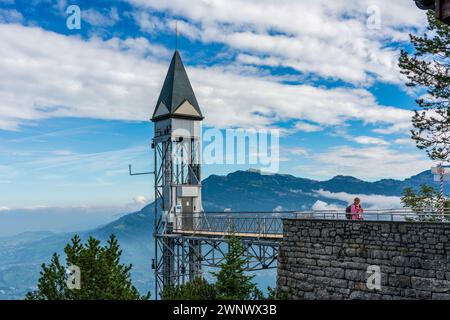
x=103, y=277
x=428, y=68
x=233, y=283
x=198, y=289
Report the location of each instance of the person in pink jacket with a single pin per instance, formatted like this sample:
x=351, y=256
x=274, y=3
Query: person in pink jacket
x=356, y=210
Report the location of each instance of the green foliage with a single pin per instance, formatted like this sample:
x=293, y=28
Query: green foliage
x=423, y=202
x=427, y=198
x=272, y=294
x=232, y=281
x=198, y=289
x=103, y=277
x=429, y=68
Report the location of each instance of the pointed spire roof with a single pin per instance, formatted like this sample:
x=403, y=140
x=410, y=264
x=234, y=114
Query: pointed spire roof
x=177, y=98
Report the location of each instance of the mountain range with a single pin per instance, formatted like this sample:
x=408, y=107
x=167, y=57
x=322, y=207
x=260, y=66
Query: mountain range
x=21, y=255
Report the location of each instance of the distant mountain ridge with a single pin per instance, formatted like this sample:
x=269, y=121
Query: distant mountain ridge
x=252, y=191
x=22, y=255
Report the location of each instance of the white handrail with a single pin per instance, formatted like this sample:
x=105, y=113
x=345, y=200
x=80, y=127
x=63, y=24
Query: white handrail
x=270, y=223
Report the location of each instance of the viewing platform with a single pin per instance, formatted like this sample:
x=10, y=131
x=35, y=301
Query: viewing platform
x=269, y=225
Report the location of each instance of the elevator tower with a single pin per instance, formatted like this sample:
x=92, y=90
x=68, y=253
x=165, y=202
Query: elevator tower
x=177, y=148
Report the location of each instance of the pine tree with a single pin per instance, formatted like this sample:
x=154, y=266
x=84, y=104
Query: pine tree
x=198, y=289
x=103, y=277
x=232, y=281
x=429, y=68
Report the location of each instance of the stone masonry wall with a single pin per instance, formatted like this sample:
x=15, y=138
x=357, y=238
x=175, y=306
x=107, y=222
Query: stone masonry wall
x=324, y=259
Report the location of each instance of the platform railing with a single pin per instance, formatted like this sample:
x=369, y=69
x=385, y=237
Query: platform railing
x=270, y=224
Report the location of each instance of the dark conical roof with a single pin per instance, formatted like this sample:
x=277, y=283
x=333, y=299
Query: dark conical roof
x=426, y=4
x=176, y=91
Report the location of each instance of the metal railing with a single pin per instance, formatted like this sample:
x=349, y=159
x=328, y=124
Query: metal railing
x=270, y=224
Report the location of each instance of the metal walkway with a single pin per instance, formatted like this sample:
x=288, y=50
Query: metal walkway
x=204, y=237
x=269, y=225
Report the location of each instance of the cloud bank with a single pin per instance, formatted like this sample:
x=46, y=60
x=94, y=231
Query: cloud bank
x=52, y=75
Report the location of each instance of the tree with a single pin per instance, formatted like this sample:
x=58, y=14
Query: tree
x=103, y=277
x=232, y=281
x=198, y=289
x=425, y=202
x=429, y=68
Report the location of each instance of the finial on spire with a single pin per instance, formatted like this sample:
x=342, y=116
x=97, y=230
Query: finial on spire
x=176, y=35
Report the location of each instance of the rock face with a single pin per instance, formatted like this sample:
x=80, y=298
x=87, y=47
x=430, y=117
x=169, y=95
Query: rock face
x=322, y=259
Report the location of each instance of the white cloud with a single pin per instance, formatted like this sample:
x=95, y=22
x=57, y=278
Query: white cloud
x=405, y=141
x=105, y=18
x=142, y=200
x=139, y=47
x=278, y=209
x=307, y=127
x=299, y=151
x=323, y=206
x=255, y=100
x=148, y=23
x=52, y=75
x=369, y=163
x=372, y=201
x=138, y=203
x=370, y=140
x=328, y=38
x=59, y=5
x=402, y=126
x=4, y=209
x=10, y=16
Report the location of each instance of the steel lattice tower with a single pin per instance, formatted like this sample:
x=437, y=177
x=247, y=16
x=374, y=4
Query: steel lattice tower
x=186, y=238
x=177, y=146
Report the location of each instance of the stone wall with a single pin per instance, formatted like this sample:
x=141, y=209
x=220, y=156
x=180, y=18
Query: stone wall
x=324, y=259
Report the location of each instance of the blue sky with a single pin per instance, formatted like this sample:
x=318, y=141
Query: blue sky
x=75, y=104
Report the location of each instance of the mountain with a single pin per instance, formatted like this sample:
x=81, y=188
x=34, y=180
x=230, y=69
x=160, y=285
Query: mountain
x=15, y=221
x=22, y=255
x=252, y=191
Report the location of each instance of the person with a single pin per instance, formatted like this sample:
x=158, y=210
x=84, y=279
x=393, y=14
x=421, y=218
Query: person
x=356, y=210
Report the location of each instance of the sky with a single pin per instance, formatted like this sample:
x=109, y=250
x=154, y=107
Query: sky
x=75, y=103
